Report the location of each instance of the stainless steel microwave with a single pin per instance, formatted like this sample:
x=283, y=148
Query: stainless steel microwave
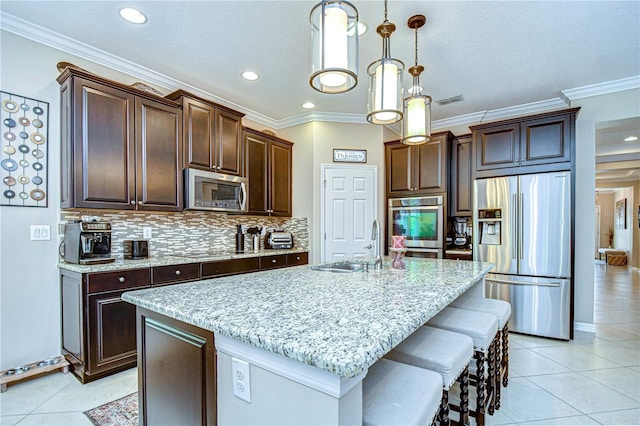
x=215, y=191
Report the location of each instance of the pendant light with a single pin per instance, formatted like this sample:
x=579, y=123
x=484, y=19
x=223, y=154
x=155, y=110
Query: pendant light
x=416, y=128
x=385, y=80
x=335, y=46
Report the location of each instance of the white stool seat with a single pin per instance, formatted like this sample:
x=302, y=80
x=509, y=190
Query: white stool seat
x=499, y=308
x=400, y=394
x=442, y=351
x=481, y=327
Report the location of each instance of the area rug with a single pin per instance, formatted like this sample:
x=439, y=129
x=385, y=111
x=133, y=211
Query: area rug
x=121, y=412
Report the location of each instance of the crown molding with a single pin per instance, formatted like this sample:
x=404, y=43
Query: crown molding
x=308, y=117
x=525, y=109
x=460, y=120
x=602, y=88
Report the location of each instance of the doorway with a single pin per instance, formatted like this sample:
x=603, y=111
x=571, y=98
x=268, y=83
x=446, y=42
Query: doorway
x=349, y=207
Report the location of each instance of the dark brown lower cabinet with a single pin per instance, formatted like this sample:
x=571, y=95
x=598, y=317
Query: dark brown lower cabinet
x=175, y=355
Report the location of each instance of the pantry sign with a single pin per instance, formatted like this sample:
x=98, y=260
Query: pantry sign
x=349, y=155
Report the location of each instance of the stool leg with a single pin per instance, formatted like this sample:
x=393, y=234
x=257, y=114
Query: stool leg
x=505, y=355
x=479, y=356
x=464, y=397
x=497, y=361
x=444, y=409
x=491, y=378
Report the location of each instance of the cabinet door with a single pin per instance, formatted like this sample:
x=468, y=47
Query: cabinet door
x=199, y=121
x=159, y=160
x=460, y=192
x=256, y=149
x=430, y=166
x=103, y=155
x=546, y=140
x=498, y=147
x=280, y=184
x=229, y=143
x=399, y=165
x=112, y=332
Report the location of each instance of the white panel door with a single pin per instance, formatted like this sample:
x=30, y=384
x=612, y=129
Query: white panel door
x=349, y=204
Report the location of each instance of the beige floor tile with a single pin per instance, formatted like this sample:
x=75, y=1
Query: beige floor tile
x=577, y=358
x=583, y=393
x=10, y=420
x=56, y=419
x=526, y=362
x=25, y=396
x=524, y=401
x=623, y=417
x=573, y=420
x=534, y=342
x=623, y=380
x=626, y=354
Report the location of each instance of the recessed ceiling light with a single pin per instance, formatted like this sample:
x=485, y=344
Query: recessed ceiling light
x=133, y=15
x=250, y=75
x=308, y=105
x=630, y=138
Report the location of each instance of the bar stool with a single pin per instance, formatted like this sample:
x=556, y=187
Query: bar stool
x=502, y=311
x=446, y=353
x=400, y=394
x=483, y=330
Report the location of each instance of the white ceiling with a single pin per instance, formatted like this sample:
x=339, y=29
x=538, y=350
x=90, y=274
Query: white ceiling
x=495, y=54
x=501, y=56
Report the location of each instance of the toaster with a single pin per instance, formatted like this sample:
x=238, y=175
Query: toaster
x=278, y=240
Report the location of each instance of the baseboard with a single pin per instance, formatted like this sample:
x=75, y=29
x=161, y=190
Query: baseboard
x=584, y=326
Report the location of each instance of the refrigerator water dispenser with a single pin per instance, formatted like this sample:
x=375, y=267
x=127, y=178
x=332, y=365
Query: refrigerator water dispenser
x=490, y=224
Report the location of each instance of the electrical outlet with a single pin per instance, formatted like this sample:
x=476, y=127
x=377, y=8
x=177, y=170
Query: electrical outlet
x=40, y=232
x=146, y=232
x=241, y=379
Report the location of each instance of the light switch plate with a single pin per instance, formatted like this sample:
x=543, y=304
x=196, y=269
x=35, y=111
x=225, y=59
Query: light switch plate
x=40, y=232
x=146, y=232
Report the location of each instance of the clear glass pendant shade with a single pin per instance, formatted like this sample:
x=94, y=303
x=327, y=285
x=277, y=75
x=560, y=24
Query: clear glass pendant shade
x=416, y=128
x=335, y=46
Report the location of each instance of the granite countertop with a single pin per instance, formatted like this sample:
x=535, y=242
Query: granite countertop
x=339, y=322
x=122, y=264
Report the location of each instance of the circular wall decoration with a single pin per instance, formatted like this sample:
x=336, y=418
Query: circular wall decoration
x=37, y=138
x=9, y=105
x=24, y=150
x=9, y=165
x=37, y=194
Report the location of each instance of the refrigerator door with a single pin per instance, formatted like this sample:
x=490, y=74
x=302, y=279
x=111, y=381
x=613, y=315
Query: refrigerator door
x=544, y=210
x=540, y=306
x=493, y=243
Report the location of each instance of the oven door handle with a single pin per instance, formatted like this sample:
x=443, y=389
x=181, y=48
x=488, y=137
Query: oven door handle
x=397, y=209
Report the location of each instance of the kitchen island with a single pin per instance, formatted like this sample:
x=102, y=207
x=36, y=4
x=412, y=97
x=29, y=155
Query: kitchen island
x=294, y=343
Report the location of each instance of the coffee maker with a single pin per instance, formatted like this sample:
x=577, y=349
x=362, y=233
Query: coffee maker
x=87, y=243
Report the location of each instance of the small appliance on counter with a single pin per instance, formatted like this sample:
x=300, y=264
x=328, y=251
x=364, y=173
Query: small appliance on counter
x=87, y=243
x=254, y=237
x=136, y=249
x=278, y=240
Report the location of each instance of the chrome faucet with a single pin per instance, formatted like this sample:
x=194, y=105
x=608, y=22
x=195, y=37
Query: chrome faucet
x=375, y=236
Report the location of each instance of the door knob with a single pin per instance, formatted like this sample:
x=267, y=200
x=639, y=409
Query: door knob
x=370, y=246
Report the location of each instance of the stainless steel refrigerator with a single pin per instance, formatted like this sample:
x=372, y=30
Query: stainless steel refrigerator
x=523, y=225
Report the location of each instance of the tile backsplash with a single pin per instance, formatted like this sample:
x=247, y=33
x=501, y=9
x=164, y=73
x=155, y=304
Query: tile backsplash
x=189, y=232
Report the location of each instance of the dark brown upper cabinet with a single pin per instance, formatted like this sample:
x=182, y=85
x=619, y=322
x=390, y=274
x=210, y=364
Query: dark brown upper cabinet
x=268, y=167
x=212, y=135
x=419, y=169
x=461, y=181
x=120, y=148
x=536, y=143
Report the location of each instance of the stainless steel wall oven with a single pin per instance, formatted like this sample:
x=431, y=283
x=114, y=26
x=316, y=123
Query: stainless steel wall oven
x=421, y=220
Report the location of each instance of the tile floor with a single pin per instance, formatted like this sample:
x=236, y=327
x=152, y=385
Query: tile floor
x=594, y=379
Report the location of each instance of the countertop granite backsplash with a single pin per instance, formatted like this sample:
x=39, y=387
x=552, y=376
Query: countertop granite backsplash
x=188, y=232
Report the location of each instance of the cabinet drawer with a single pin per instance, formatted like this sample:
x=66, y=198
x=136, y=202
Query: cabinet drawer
x=271, y=262
x=175, y=273
x=119, y=280
x=230, y=267
x=295, y=259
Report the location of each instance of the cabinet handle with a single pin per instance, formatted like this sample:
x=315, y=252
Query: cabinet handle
x=121, y=279
x=139, y=203
x=297, y=257
x=273, y=261
x=178, y=272
x=133, y=203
